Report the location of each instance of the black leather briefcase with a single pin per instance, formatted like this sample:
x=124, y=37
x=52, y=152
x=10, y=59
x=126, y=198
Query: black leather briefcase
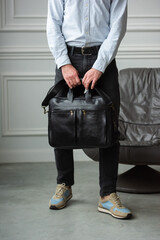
x=86, y=121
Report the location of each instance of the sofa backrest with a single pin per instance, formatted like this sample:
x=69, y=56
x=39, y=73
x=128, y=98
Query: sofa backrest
x=139, y=119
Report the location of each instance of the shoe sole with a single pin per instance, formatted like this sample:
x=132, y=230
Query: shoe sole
x=113, y=215
x=63, y=206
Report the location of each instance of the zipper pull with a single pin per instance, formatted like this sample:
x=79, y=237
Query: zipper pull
x=84, y=112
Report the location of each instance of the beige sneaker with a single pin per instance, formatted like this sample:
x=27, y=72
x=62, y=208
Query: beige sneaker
x=62, y=195
x=114, y=207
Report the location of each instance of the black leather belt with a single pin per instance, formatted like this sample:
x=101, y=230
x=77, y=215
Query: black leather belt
x=83, y=50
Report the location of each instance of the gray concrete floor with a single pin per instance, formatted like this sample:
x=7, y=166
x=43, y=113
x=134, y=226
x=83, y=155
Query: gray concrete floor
x=25, y=190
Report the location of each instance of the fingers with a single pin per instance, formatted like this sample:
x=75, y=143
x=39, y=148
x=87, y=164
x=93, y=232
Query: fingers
x=70, y=75
x=91, y=76
x=68, y=83
x=86, y=82
x=73, y=82
x=77, y=80
x=93, y=84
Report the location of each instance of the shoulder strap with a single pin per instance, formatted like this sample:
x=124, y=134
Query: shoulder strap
x=53, y=92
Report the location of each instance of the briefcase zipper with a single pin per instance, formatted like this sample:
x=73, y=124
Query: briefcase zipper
x=72, y=112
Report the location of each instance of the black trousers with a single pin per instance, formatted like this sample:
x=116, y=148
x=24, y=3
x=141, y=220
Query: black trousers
x=108, y=157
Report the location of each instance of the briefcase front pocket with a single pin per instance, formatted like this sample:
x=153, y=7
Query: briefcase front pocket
x=78, y=128
x=62, y=128
x=91, y=128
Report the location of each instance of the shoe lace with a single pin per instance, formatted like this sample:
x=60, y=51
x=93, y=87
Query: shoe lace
x=60, y=190
x=116, y=201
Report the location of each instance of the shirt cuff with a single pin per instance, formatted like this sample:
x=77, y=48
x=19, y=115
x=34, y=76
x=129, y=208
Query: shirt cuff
x=100, y=65
x=62, y=60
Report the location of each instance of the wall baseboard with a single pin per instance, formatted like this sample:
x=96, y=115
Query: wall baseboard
x=36, y=155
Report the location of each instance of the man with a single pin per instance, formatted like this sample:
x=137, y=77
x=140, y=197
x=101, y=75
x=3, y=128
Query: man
x=83, y=36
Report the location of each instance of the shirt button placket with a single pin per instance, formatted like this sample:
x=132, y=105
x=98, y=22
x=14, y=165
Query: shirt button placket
x=86, y=21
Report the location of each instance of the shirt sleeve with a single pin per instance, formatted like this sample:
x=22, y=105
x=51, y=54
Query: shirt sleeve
x=118, y=23
x=55, y=37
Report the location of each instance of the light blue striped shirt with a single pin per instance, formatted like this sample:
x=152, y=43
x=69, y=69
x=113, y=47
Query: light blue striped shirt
x=86, y=23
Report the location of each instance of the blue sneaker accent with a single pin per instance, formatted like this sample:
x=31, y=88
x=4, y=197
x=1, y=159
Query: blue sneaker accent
x=107, y=205
x=56, y=201
x=123, y=210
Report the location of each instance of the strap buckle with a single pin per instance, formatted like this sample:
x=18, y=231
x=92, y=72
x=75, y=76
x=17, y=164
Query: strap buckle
x=45, y=110
x=83, y=51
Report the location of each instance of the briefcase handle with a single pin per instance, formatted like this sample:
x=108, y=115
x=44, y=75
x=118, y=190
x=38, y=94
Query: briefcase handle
x=54, y=90
x=88, y=95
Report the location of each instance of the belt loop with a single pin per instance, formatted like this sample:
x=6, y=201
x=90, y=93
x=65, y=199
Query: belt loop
x=72, y=50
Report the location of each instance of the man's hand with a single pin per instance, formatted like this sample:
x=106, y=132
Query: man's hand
x=70, y=75
x=91, y=76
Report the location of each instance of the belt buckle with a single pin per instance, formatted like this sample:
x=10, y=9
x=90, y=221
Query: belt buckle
x=83, y=53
